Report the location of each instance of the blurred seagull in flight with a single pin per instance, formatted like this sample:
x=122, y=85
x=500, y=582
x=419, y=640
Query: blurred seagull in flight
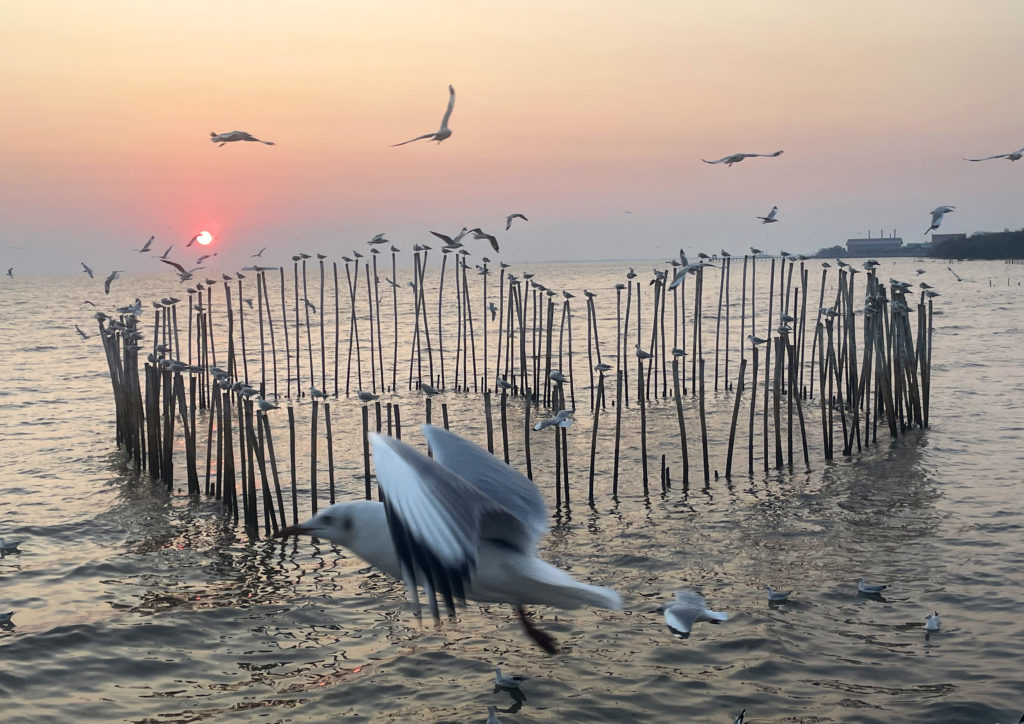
x=81, y=334
x=508, y=220
x=443, y=132
x=259, y=253
x=463, y=526
x=937, y=213
x=231, y=136
x=106, y=282
x=737, y=157
x=146, y=246
x=688, y=608
x=478, y=234
x=562, y=418
x=1012, y=155
x=770, y=218
x=86, y=269
x=164, y=255
x=958, y=277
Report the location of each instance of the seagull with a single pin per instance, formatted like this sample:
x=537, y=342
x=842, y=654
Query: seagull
x=182, y=272
x=756, y=340
x=492, y=715
x=737, y=157
x=367, y=396
x=86, y=270
x=869, y=588
x=631, y=274
x=145, y=247
x=5, y=618
x=677, y=352
x=443, y=132
x=222, y=138
x=204, y=257
x=452, y=241
x=164, y=255
x=81, y=334
x=777, y=596
x=937, y=213
x=1012, y=155
x=478, y=234
x=508, y=220
x=264, y=405
x=502, y=384
x=557, y=376
x=954, y=274
x=258, y=253
x=193, y=240
x=561, y=418
x=7, y=546
x=493, y=310
x=770, y=218
x=932, y=622
x=429, y=390
x=106, y=282
x=688, y=608
x=739, y=719
x=463, y=526
x=755, y=251
x=641, y=353
x=602, y=367
x=378, y=239
x=10, y=272
x=508, y=682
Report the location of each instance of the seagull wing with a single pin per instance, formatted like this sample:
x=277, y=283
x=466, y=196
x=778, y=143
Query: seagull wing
x=436, y=520
x=451, y=105
x=446, y=239
x=680, y=617
x=175, y=264
x=510, y=488
x=988, y=158
x=762, y=155
x=418, y=138
x=723, y=159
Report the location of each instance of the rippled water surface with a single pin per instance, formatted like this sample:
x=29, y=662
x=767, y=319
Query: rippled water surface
x=133, y=603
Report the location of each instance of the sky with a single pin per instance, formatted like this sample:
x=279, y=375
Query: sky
x=590, y=117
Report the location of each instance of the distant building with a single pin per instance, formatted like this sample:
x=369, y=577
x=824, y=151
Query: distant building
x=872, y=246
x=938, y=238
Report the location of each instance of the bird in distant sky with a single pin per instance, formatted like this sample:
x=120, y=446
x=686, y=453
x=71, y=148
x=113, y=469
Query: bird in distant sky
x=86, y=269
x=222, y=138
x=259, y=253
x=508, y=220
x=106, y=282
x=452, y=241
x=737, y=157
x=478, y=234
x=1012, y=155
x=164, y=255
x=146, y=246
x=770, y=218
x=443, y=132
x=937, y=213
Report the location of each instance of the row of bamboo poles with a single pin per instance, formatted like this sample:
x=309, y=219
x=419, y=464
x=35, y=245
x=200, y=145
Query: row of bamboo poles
x=876, y=374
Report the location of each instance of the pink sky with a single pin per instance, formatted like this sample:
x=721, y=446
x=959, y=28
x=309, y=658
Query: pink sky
x=573, y=113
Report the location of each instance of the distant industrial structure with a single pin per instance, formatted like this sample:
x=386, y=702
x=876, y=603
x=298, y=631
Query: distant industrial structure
x=880, y=245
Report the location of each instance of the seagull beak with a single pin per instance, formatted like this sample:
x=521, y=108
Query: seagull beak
x=289, y=531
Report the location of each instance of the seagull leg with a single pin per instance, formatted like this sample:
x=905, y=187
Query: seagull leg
x=545, y=640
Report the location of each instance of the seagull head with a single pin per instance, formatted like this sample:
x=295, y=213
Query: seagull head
x=356, y=525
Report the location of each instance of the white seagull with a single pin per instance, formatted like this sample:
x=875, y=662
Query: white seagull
x=1012, y=155
x=770, y=218
x=86, y=269
x=869, y=588
x=737, y=157
x=932, y=622
x=562, y=418
x=508, y=220
x=222, y=138
x=106, y=282
x=443, y=132
x=688, y=608
x=462, y=526
x=937, y=213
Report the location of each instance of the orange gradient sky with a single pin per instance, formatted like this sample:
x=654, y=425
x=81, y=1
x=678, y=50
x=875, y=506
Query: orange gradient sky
x=590, y=117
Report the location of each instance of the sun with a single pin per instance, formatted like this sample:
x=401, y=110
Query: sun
x=203, y=238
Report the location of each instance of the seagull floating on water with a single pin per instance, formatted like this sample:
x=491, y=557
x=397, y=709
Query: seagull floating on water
x=463, y=526
x=937, y=213
x=508, y=682
x=688, y=608
x=11, y=546
x=932, y=622
x=869, y=587
x=737, y=157
x=443, y=132
x=231, y=136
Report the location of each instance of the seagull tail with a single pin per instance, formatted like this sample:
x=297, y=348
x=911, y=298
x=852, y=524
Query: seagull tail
x=550, y=586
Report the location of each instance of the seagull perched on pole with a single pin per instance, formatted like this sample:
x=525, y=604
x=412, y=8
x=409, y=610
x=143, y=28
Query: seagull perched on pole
x=1012, y=155
x=737, y=157
x=937, y=213
x=770, y=218
x=443, y=132
x=231, y=136
x=462, y=526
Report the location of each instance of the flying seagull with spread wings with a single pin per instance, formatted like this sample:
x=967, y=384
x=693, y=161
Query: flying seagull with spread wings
x=231, y=136
x=443, y=132
x=1012, y=155
x=937, y=213
x=770, y=218
x=737, y=157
